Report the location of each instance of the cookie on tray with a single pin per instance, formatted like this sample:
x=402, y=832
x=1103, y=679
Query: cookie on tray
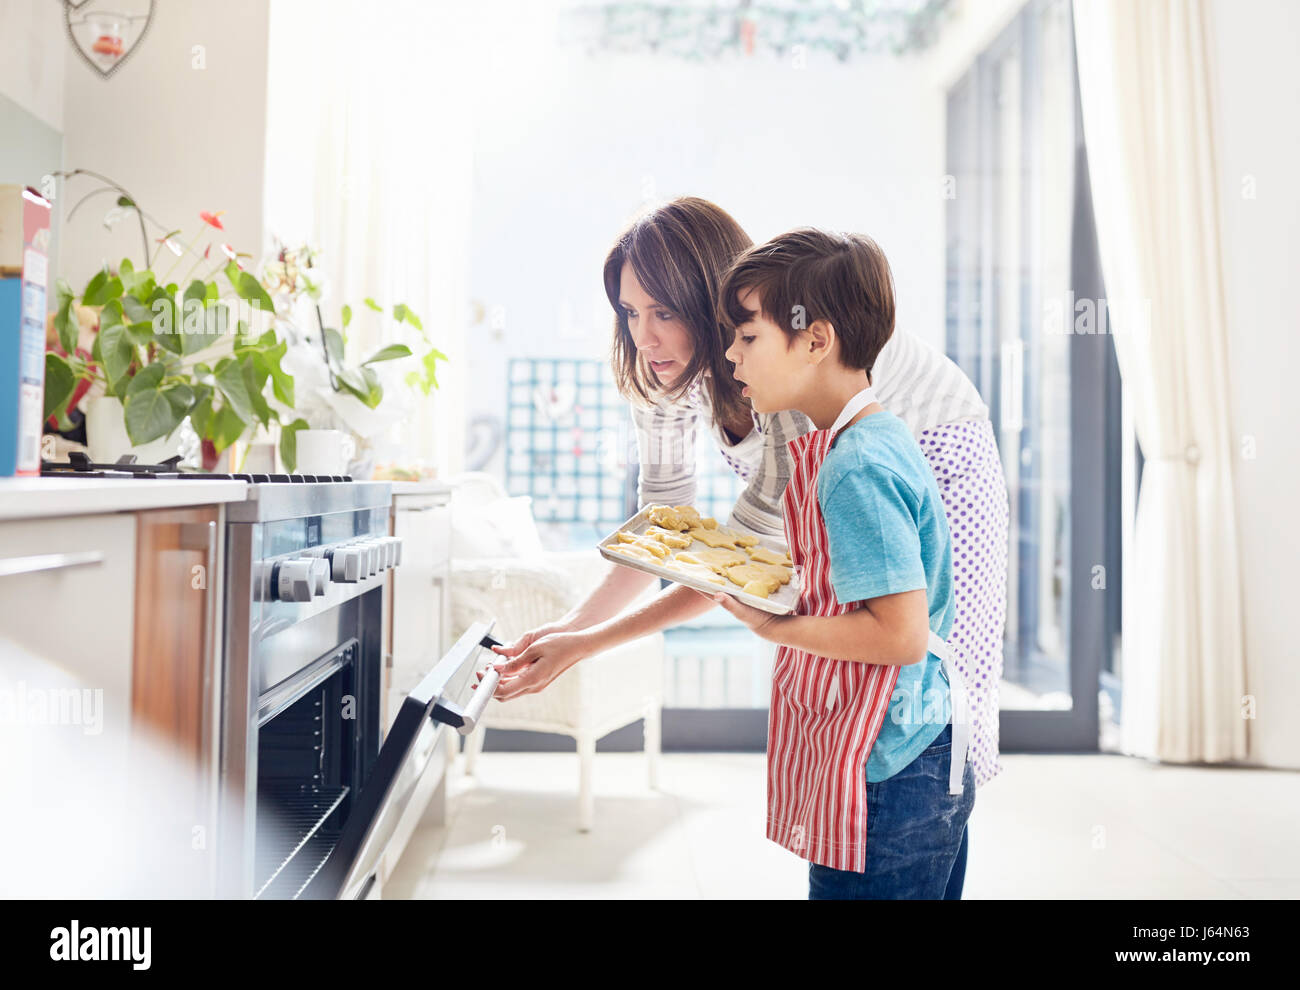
x=669, y=537
x=714, y=558
x=765, y=556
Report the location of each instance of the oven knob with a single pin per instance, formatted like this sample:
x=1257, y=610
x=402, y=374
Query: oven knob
x=397, y=550
x=376, y=557
x=320, y=575
x=345, y=563
x=363, y=560
x=293, y=581
x=386, y=552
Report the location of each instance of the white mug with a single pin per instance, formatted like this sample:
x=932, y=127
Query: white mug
x=324, y=451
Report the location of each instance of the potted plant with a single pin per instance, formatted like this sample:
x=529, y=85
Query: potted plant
x=164, y=349
x=361, y=398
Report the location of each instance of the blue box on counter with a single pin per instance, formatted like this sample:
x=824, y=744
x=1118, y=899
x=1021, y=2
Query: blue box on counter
x=24, y=281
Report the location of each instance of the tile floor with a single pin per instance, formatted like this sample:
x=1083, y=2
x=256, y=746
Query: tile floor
x=1047, y=827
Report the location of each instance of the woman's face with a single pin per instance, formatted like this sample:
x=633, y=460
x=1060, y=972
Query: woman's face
x=659, y=334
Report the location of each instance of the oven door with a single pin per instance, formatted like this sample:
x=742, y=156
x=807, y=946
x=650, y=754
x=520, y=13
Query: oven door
x=447, y=695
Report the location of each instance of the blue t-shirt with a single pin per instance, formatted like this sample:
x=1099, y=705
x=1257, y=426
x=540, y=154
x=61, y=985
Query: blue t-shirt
x=888, y=533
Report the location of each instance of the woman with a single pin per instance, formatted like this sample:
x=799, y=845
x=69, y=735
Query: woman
x=662, y=277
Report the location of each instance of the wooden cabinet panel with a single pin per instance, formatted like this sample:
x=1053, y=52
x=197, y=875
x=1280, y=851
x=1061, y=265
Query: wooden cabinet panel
x=177, y=595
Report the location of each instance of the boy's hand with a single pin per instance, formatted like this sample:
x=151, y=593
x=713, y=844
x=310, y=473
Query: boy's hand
x=764, y=624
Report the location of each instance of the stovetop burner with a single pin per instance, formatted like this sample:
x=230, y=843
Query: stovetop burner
x=81, y=466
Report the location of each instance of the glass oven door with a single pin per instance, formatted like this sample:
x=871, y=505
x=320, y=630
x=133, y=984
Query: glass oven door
x=448, y=694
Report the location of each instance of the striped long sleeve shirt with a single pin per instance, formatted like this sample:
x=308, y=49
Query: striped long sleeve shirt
x=914, y=381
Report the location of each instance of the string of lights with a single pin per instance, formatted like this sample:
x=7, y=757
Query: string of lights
x=699, y=30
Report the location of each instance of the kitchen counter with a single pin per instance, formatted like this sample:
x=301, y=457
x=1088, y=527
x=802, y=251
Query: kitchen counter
x=29, y=498
x=420, y=488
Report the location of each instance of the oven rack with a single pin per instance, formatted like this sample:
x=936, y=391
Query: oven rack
x=293, y=848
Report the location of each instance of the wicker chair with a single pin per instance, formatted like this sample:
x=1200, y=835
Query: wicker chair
x=588, y=701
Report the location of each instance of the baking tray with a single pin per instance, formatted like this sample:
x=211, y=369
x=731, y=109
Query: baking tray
x=782, y=602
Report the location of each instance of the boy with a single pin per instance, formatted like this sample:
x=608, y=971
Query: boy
x=865, y=767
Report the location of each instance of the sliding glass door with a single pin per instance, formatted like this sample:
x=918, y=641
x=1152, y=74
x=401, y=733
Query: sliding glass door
x=1021, y=255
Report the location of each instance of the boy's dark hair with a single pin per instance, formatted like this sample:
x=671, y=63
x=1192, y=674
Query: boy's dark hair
x=806, y=275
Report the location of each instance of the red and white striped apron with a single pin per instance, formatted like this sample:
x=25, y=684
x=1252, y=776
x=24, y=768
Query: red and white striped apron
x=826, y=713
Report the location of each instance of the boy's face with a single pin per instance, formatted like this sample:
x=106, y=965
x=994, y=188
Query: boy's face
x=765, y=361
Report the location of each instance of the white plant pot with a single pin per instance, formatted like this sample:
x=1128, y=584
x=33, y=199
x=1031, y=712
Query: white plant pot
x=106, y=435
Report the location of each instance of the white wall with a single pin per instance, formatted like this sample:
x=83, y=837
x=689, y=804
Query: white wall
x=182, y=138
x=568, y=147
x=1258, y=90
x=33, y=48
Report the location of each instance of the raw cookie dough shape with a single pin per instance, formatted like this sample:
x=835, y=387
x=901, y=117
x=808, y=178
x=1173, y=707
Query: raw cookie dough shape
x=715, y=537
x=742, y=574
x=635, y=552
x=669, y=537
x=654, y=547
x=761, y=587
x=765, y=556
x=697, y=571
x=714, y=558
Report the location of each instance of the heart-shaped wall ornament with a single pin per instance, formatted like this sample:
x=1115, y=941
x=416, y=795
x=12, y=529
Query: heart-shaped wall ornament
x=105, y=37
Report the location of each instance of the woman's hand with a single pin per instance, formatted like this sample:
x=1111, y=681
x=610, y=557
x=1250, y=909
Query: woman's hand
x=529, y=638
x=764, y=624
x=535, y=663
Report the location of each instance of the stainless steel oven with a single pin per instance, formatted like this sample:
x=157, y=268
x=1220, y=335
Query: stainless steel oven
x=309, y=797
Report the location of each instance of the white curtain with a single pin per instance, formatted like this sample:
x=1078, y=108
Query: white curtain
x=1147, y=89
x=369, y=159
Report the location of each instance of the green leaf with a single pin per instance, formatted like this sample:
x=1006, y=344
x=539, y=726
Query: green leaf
x=281, y=380
x=374, y=305
x=60, y=383
x=212, y=293
x=389, y=353
x=65, y=321
x=248, y=288
x=226, y=427
x=230, y=383
x=148, y=377
x=216, y=321
x=289, y=443
x=136, y=283
x=430, y=362
x=347, y=315
x=140, y=334
x=334, y=346
x=403, y=312
x=115, y=345
x=354, y=383
x=201, y=410
x=149, y=415
x=374, y=391
x=102, y=288
x=125, y=201
x=255, y=380
x=137, y=310
x=181, y=396
x=165, y=316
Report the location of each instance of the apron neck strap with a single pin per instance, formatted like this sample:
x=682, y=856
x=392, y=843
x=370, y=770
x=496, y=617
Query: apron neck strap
x=855, y=405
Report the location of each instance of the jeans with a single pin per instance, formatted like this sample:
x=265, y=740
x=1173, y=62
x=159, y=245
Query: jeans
x=916, y=835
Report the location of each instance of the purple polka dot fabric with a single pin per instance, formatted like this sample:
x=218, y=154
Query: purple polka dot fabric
x=966, y=464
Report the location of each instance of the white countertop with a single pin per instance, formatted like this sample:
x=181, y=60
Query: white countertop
x=420, y=487
x=27, y=498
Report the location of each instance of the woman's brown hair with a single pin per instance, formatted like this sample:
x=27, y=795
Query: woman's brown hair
x=679, y=253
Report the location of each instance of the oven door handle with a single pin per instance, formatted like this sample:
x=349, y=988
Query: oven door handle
x=464, y=720
x=482, y=695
